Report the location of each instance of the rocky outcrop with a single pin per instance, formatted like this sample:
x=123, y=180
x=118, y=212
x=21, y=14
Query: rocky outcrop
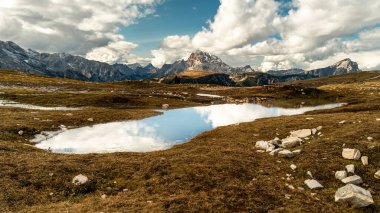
x=342, y=67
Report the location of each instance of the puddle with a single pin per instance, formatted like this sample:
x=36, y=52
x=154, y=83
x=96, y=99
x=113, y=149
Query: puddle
x=4, y=103
x=163, y=131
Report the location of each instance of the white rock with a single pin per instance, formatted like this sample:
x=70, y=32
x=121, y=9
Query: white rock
x=340, y=175
x=20, y=132
x=370, y=138
x=319, y=128
x=355, y=179
x=104, y=196
x=285, y=154
x=297, y=152
x=351, y=154
x=314, y=131
x=377, y=175
x=263, y=145
x=293, y=167
x=342, y=122
x=364, y=160
x=165, y=106
x=351, y=168
x=276, y=151
x=91, y=119
x=303, y=133
x=80, y=179
x=354, y=195
x=290, y=142
x=313, y=184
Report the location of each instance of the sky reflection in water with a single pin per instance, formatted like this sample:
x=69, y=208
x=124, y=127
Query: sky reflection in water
x=163, y=131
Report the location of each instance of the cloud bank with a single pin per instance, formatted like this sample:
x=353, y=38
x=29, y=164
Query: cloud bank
x=312, y=33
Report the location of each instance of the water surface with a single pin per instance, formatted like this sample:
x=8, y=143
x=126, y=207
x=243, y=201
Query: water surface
x=163, y=131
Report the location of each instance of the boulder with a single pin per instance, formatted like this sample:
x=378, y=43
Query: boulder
x=286, y=154
x=355, y=179
x=351, y=154
x=263, y=145
x=354, y=195
x=350, y=168
x=377, y=175
x=80, y=179
x=313, y=184
x=364, y=160
x=290, y=142
x=303, y=133
x=319, y=128
x=340, y=175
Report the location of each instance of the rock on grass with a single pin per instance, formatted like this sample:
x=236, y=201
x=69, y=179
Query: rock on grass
x=354, y=195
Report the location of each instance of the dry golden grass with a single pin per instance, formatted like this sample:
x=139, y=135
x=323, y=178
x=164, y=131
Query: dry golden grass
x=195, y=73
x=217, y=171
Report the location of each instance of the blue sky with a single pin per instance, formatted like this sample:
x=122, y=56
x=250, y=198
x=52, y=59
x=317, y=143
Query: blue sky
x=173, y=17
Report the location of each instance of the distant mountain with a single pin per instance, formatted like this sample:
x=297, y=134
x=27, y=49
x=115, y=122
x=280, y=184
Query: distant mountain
x=201, y=61
x=61, y=65
x=14, y=57
x=342, y=67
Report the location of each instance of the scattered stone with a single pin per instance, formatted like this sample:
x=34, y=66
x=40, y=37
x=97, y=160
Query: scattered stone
x=319, y=128
x=319, y=133
x=354, y=195
x=91, y=119
x=20, y=132
x=314, y=131
x=260, y=151
x=310, y=174
x=51, y=193
x=303, y=133
x=285, y=154
x=340, y=175
x=263, y=145
x=351, y=168
x=80, y=179
x=351, y=154
x=309, y=118
x=293, y=167
x=355, y=179
x=300, y=188
x=342, y=122
x=313, y=184
x=165, y=106
x=297, y=152
x=287, y=196
x=377, y=175
x=104, y=196
x=290, y=142
x=125, y=190
x=276, y=151
x=364, y=160
x=370, y=138
x=51, y=174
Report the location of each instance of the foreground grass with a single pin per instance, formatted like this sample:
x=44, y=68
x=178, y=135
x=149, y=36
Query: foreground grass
x=219, y=170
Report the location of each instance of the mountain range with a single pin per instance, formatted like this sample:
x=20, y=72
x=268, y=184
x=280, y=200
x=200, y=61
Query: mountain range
x=13, y=57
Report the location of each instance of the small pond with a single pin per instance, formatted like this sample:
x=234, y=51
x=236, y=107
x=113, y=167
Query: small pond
x=163, y=131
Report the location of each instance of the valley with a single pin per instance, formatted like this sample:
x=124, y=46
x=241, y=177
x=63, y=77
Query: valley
x=220, y=170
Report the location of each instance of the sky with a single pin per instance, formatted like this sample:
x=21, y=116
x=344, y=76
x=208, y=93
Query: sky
x=266, y=34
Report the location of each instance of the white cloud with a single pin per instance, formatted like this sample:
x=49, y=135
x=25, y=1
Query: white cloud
x=313, y=32
x=73, y=26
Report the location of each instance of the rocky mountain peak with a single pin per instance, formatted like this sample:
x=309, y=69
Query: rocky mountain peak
x=199, y=57
x=346, y=64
